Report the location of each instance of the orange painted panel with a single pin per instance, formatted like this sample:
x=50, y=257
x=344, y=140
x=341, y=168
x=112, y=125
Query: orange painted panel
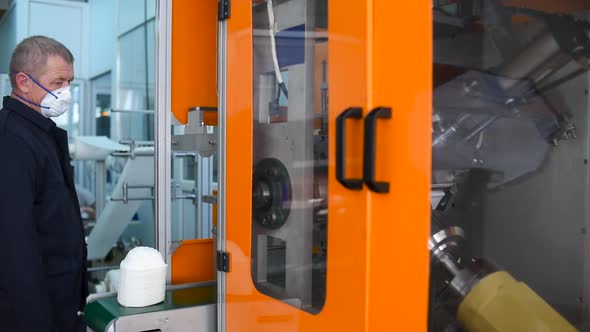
x=194, y=56
x=193, y=261
x=399, y=222
x=345, y=307
x=210, y=118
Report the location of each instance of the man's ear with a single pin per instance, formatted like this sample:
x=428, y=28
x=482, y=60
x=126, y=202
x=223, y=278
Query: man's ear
x=23, y=82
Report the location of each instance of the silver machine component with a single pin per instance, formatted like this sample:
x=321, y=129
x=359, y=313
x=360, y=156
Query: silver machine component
x=219, y=231
x=291, y=143
x=196, y=137
x=477, y=106
x=461, y=275
x=169, y=321
x=539, y=57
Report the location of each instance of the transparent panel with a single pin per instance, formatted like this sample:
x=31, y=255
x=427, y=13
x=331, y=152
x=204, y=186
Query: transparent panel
x=510, y=152
x=8, y=29
x=193, y=180
x=135, y=75
x=184, y=195
x=289, y=226
x=131, y=14
x=5, y=87
x=101, y=92
x=122, y=109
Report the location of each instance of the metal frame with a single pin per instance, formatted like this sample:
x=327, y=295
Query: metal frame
x=177, y=205
x=221, y=169
x=586, y=226
x=163, y=121
x=204, y=181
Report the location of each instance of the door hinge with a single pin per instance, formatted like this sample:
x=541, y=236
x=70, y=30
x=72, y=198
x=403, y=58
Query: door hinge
x=222, y=261
x=209, y=199
x=223, y=10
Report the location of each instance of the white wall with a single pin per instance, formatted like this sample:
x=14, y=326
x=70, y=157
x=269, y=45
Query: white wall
x=65, y=21
x=133, y=13
x=102, y=36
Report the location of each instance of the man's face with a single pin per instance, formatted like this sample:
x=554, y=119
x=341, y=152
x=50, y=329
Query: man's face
x=56, y=73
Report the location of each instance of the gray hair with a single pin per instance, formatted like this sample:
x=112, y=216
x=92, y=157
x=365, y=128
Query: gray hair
x=30, y=55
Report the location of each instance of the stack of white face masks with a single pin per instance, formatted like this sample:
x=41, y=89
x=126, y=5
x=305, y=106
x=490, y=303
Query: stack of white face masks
x=143, y=278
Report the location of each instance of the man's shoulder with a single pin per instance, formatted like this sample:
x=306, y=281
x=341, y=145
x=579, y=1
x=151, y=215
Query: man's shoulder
x=16, y=125
x=18, y=137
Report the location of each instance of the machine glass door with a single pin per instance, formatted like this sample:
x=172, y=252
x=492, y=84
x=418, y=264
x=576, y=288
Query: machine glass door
x=510, y=177
x=290, y=152
x=295, y=236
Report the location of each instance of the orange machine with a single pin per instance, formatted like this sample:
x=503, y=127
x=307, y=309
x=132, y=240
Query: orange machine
x=321, y=258
x=326, y=135
x=193, y=57
x=332, y=139
x=359, y=283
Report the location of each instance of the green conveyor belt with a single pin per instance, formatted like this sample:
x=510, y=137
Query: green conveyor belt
x=101, y=312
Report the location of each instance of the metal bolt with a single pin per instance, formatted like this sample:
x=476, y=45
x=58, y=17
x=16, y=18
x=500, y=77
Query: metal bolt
x=468, y=86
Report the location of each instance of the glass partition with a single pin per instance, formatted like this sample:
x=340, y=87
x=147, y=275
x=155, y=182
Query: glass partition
x=123, y=108
x=510, y=152
x=289, y=193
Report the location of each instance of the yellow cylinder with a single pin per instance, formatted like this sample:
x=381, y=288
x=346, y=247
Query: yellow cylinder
x=499, y=303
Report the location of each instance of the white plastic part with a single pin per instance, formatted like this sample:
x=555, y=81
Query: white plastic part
x=116, y=215
x=273, y=46
x=143, y=278
x=112, y=280
x=94, y=148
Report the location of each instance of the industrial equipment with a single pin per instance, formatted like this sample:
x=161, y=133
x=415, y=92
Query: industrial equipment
x=484, y=298
x=497, y=126
x=289, y=187
x=334, y=122
x=183, y=308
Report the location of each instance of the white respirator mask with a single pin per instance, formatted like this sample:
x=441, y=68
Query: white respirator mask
x=56, y=102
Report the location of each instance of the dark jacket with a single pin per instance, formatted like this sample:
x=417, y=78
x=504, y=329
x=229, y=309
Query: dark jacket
x=42, y=248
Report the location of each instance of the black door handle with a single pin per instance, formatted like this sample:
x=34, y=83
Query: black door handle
x=369, y=156
x=353, y=113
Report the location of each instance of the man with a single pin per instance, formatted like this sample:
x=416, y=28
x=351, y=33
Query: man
x=42, y=250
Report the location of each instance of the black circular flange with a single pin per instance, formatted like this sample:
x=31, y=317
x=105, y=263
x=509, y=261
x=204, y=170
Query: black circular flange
x=271, y=193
